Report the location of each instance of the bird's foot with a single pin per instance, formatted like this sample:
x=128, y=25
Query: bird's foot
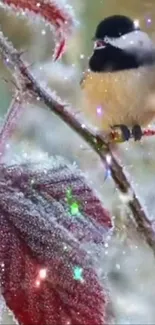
x=137, y=132
x=125, y=132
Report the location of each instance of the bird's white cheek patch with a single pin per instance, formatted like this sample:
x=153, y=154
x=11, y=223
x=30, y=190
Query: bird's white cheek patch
x=134, y=40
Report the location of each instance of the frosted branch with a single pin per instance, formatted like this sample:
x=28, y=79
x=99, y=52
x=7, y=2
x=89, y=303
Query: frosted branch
x=10, y=121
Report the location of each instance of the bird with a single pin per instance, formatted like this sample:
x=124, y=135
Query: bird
x=118, y=88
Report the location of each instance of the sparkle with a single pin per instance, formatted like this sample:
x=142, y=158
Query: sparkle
x=43, y=32
x=7, y=146
x=42, y=274
x=37, y=283
x=118, y=266
x=73, y=204
x=65, y=247
x=25, y=155
x=82, y=56
x=74, y=208
x=149, y=20
x=3, y=267
x=108, y=159
x=78, y=273
x=136, y=23
x=68, y=322
x=99, y=110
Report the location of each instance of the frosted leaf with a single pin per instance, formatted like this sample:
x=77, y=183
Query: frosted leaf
x=57, y=14
x=42, y=245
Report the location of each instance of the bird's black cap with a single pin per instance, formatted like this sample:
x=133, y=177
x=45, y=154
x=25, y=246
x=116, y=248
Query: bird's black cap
x=108, y=56
x=115, y=26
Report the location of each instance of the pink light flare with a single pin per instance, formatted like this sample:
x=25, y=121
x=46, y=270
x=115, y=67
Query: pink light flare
x=37, y=283
x=99, y=110
x=41, y=276
x=148, y=21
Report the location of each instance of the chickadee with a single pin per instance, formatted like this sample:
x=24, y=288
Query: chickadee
x=118, y=88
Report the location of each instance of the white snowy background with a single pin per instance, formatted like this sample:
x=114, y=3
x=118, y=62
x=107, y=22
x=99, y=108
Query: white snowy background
x=128, y=263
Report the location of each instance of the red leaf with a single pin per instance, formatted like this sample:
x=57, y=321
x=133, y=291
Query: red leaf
x=49, y=10
x=58, y=16
x=37, y=232
x=59, y=50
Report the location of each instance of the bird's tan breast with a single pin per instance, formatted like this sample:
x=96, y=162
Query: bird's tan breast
x=120, y=97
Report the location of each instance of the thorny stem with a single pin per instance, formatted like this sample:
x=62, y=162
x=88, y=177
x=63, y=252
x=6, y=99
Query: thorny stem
x=10, y=121
x=32, y=87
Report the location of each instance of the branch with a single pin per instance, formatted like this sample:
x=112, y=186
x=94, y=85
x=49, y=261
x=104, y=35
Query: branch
x=30, y=85
x=10, y=121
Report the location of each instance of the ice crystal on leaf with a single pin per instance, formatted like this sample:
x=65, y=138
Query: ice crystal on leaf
x=38, y=236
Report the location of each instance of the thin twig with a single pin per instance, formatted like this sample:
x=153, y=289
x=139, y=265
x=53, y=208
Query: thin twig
x=32, y=87
x=10, y=121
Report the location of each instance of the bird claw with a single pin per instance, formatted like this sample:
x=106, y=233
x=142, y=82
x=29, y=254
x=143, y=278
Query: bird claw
x=137, y=132
x=125, y=132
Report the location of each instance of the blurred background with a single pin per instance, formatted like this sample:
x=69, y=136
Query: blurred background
x=126, y=261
